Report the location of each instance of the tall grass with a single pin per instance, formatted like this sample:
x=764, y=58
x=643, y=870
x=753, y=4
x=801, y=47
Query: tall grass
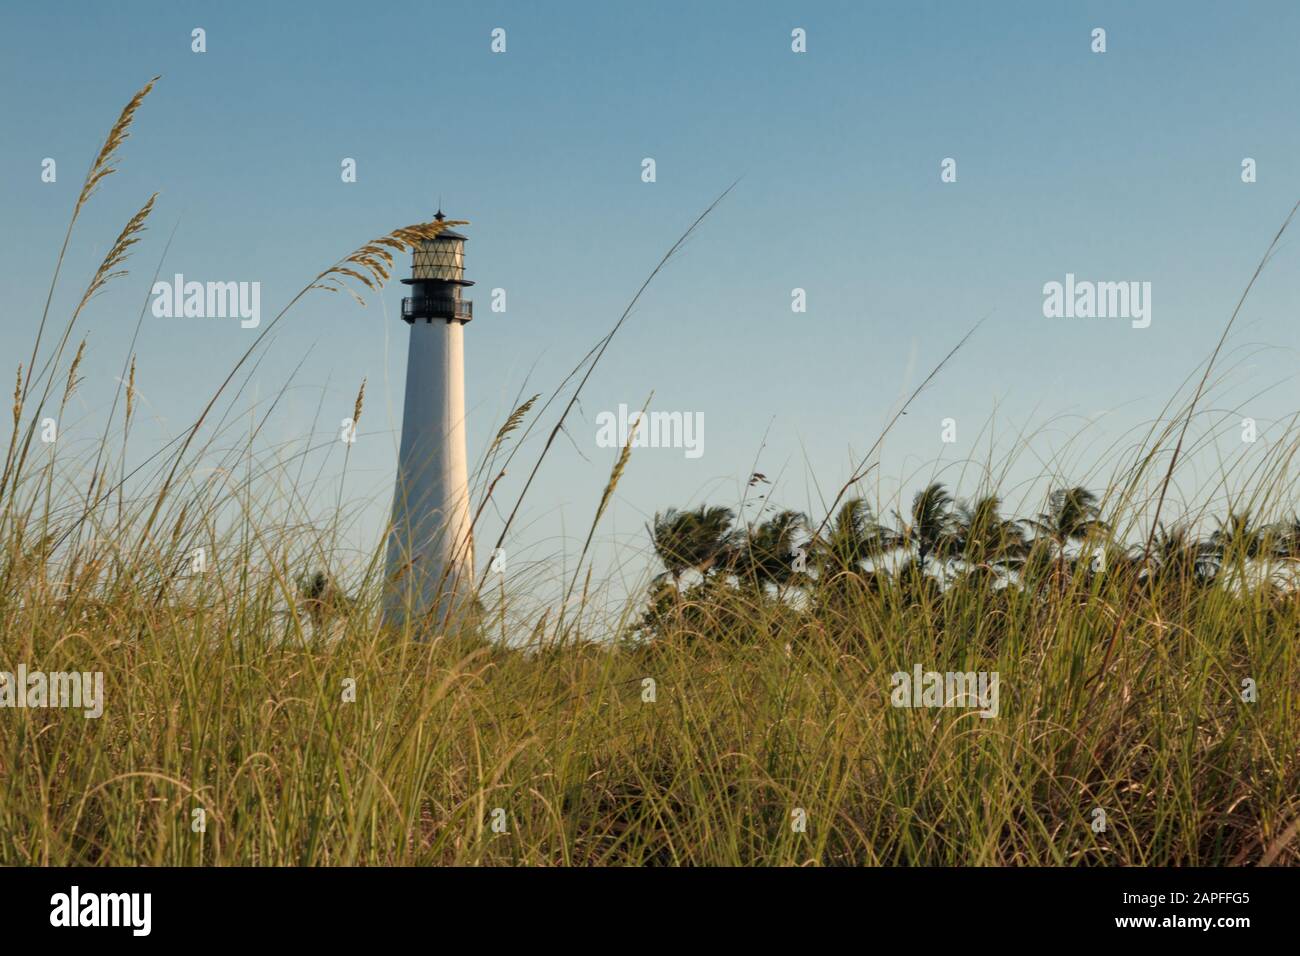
x=307, y=734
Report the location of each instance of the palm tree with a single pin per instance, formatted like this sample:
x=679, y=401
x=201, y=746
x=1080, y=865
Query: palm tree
x=1178, y=555
x=1238, y=540
x=766, y=555
x=1286, y=539
x=930, y=527
x=1286, y=548
x=697, y=540
x=1239, y=537
x=985, y=541
x=1072, y=514
x=854, y=537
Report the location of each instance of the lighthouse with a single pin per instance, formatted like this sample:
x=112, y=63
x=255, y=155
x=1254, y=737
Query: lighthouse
x=430, y=560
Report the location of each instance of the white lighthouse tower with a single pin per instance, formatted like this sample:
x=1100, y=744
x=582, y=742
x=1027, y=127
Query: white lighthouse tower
x=430, y=562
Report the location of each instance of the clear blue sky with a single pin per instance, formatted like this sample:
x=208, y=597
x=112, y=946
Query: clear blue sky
x=1117, y=166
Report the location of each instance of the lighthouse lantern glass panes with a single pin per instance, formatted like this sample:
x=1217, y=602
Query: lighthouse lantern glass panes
x=440, y=259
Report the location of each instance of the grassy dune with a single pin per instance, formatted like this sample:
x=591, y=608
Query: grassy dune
x=218, y=701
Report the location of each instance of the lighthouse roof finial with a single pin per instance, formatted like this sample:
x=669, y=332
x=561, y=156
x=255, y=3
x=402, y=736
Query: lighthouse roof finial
x=446, y=234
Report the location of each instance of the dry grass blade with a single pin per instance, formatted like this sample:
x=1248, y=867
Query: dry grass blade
x=615, y=474
x=1278, y=845
x=863, y=468
x=597, y=354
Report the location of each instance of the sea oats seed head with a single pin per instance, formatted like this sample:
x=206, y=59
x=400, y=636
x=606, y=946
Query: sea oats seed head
x=356, y=408
x=103, y=165
x=72, y=371
x=130, y=389
x=121, y=248
x=372, y=264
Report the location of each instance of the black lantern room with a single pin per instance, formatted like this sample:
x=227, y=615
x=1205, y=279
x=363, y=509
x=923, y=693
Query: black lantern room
x=437, y=276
